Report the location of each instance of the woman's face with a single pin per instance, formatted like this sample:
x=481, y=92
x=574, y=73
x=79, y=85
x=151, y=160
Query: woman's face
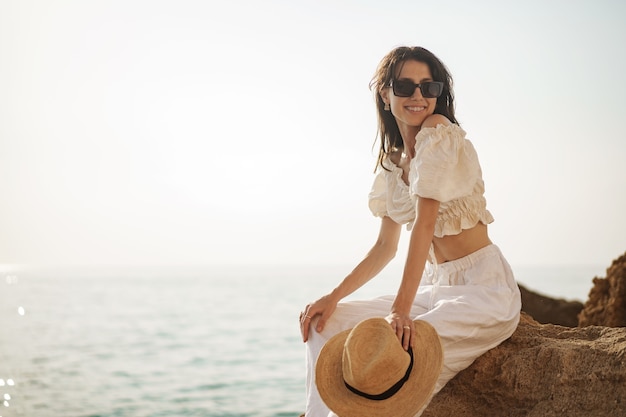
x=410, y=112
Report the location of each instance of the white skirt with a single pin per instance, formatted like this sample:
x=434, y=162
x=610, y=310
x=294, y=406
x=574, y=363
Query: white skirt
x=474, y=304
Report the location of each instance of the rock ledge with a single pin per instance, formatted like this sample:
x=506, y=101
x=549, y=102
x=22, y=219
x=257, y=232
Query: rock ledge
x=542, y=370
x=547, y=370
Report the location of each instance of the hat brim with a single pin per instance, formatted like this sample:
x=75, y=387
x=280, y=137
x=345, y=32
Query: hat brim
x=427, y=363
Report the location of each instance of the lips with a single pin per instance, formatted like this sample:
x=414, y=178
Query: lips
x=415, y=109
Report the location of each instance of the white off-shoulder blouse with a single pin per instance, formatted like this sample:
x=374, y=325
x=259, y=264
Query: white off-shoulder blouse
x=445, y=168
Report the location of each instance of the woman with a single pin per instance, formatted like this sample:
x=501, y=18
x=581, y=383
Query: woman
x=429, y=179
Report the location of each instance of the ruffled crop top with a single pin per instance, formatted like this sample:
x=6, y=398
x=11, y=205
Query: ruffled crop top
x=445, y=168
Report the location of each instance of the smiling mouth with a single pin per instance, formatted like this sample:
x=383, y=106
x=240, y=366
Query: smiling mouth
x=416, y=108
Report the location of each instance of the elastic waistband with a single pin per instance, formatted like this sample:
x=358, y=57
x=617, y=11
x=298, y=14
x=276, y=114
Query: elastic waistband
x=468, y=261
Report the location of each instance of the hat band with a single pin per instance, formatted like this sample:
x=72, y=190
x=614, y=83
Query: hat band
x=391, y=391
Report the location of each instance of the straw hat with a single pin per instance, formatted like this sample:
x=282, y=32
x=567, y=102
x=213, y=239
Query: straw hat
x=366, y=372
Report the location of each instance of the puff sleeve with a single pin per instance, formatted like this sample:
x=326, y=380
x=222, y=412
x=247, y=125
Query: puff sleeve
x=378, y=195
x=445, y=166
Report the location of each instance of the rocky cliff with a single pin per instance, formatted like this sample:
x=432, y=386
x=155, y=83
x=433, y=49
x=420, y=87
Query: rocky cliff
x=606, y=305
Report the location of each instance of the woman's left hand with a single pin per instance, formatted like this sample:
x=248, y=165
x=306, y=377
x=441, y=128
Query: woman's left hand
x=403, y=326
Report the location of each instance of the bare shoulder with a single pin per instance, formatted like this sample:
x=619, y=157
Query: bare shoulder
x=436, y=119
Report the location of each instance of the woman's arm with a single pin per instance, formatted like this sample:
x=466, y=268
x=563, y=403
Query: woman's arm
x=419, y=246
x=376, y=259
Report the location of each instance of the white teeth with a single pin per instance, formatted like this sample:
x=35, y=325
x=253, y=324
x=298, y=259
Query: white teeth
x=416, y=108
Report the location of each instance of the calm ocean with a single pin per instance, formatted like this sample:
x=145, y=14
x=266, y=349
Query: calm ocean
x=214, y=342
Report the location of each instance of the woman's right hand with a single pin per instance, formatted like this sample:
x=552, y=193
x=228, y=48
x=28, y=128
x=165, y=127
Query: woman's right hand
x=324, y=308
x=381, y=253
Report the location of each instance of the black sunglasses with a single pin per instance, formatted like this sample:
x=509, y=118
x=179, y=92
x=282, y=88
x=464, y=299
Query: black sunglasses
x=405, y=88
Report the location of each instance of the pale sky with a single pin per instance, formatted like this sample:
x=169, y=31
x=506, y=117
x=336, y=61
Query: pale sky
x=241, y=132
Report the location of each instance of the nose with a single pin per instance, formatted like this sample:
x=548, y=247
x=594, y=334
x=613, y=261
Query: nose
x=417, y=93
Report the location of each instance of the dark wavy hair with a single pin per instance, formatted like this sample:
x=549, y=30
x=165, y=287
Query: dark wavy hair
x=388, y=69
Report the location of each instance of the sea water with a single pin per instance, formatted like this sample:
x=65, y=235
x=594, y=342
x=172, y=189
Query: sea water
x=211, y=342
